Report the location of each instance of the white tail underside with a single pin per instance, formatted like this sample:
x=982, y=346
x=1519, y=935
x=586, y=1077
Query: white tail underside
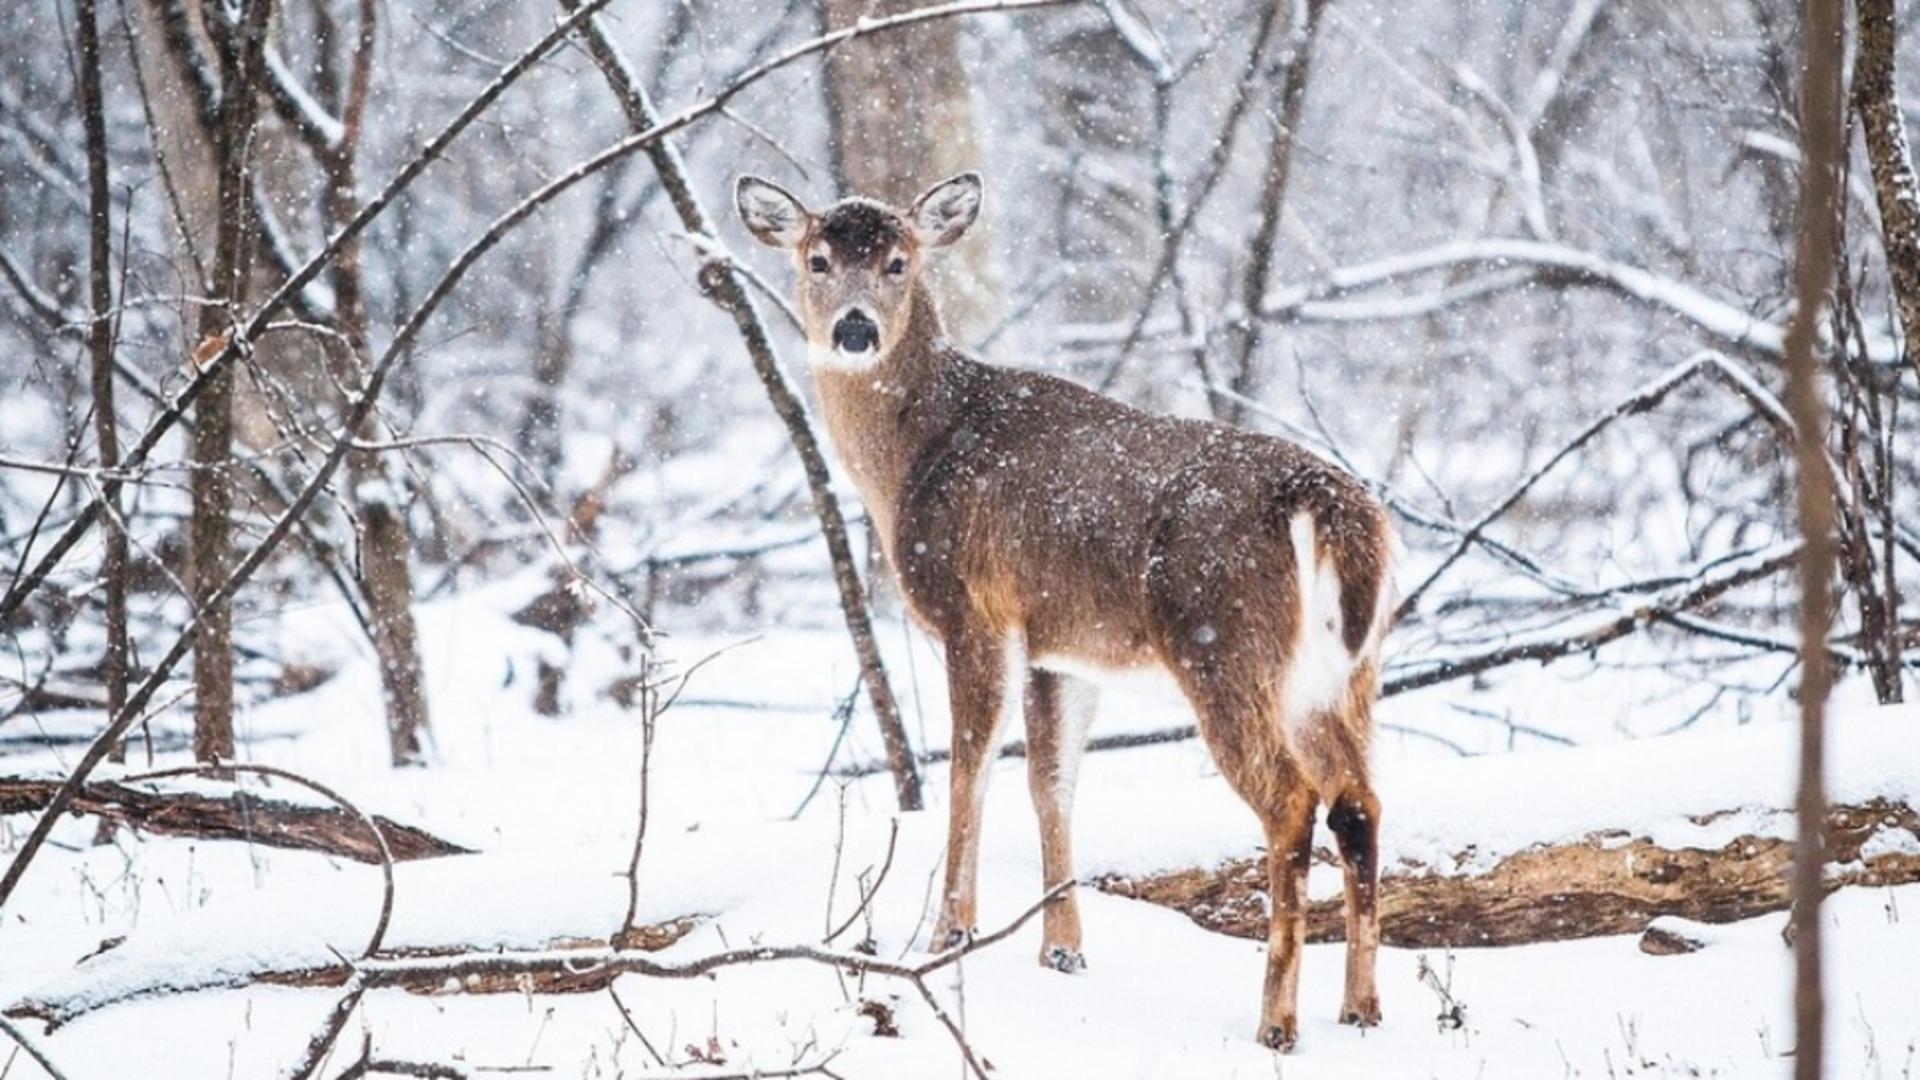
x=1320, y=666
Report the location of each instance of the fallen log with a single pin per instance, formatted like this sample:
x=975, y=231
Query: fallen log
x=211, y=811
x=455, y=971
x=1607, y=882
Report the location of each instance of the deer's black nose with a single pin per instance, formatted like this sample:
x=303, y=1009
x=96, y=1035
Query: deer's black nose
x=855, y=333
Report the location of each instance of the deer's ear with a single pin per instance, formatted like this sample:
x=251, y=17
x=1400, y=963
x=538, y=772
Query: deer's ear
x=771, y=214
x=948, y=209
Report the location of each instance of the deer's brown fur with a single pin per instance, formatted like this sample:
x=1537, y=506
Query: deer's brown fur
x=1042, y=531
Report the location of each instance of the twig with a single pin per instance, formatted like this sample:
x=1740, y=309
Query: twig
x=322, y=1042
x=1641, y=400
x=634, y=1026
x=32, y=1048
x=867, y=894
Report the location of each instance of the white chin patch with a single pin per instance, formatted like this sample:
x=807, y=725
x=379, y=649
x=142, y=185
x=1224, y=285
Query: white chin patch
x=829, y=358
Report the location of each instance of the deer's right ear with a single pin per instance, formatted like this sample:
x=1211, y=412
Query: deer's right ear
x=771, y=214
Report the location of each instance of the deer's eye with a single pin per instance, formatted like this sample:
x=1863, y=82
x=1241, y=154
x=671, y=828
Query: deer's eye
x=818, y=264
x=897, y=266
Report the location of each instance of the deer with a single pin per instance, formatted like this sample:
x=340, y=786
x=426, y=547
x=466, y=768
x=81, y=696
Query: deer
x=1053, y=539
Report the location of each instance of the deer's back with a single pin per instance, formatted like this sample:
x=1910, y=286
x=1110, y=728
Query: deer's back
x=1095, y=527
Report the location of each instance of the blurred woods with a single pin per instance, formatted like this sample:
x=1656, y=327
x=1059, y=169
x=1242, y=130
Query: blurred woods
x=1526, y=268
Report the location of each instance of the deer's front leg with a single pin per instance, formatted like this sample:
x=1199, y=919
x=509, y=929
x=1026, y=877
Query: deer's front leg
x=1059, y=710
x=977, y=676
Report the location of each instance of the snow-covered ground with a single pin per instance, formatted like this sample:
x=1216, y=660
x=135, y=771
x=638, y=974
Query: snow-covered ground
x=550, y=804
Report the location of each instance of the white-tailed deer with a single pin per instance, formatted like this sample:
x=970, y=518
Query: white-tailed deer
x=1045, y=534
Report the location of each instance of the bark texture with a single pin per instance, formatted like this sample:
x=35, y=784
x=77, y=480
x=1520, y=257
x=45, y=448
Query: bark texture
x=1876, y=99
x=1604, y=883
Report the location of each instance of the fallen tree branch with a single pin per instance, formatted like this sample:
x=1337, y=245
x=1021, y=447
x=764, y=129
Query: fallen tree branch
x=1637, y=611
x=1604, y=883
x=206, y=813
x=562, y=968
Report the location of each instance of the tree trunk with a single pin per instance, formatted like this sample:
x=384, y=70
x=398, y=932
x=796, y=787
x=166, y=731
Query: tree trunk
x=901, y=112
x=100, y=348
x=1876, y=99
x=213, y=477
x=1246, y=335
x=386, y=578
x=1820, y=155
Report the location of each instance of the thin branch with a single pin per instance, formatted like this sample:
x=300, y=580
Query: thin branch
x=323, y=1040
x=1641, y=400
x=12, y=1031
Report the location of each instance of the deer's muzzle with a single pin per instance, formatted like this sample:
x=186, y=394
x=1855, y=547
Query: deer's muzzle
x=855, y=332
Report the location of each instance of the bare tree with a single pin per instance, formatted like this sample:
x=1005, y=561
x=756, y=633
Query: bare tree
x=100, y=349
x=239, y=46
x=1291, y=95
x=377, y=486
x=1820, y=156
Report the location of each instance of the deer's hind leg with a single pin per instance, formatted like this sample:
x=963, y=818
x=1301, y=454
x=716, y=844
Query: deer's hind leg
x=1239, y=718
x=1353, y=816
x=1059, y=710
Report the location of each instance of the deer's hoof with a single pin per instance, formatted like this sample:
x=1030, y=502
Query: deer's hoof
x=1281, y=1037
x=1064, y=960
x=1365, y=1013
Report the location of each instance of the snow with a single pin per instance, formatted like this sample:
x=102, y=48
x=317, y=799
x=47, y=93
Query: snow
x=550, y=803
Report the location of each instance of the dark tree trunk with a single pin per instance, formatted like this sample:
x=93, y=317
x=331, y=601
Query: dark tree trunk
x=100, y=349
x=1292, y=98
x=213, y=478
x=726, y=288
x=386, y=544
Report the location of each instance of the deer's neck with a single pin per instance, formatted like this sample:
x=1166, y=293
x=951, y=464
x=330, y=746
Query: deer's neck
x=882, y=417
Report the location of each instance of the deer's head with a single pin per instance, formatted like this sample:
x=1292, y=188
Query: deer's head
x=858, y=260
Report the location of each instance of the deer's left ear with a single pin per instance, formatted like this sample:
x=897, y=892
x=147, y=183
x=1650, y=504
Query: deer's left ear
x=948, y=209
